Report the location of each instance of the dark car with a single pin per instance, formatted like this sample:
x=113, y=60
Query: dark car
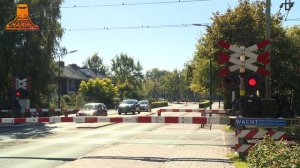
x=145, y=105
x=93, y=109
x=129, y=106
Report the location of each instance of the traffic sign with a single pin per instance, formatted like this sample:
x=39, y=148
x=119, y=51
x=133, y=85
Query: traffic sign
x=239, y=58
x=259, y=45
x=22, y=83
x=260, y=122
x=226, y=45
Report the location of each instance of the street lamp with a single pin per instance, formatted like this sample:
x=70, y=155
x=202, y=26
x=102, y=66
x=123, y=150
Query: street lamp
x=210, y=71
x=59, y=87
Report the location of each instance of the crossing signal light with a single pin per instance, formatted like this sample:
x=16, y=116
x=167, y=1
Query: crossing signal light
x=22, y=94
x=231, y=82
x=252, y=82
x=18, y=93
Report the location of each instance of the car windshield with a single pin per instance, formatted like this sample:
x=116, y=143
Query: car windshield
x=143, y=102
x=89, y=107
x=128, y=101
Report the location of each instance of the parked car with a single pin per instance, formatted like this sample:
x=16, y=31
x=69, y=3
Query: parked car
x=129, y=105
x=93, y=109
x=145, y=105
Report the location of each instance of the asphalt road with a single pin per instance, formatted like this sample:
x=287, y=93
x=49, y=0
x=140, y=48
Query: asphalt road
x=51, y=145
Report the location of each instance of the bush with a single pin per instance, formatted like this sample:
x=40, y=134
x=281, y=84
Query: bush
x=275, y=154
x=67, y=99
x=204, y=104
x=159, y=104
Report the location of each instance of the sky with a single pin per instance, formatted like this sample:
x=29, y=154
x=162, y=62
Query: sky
x=162, y=48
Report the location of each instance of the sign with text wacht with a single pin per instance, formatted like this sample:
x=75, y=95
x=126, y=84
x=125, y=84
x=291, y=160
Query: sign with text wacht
x=260, y=122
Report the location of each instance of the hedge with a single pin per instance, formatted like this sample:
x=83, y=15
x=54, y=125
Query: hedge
x=274, y=154
x=159, y=104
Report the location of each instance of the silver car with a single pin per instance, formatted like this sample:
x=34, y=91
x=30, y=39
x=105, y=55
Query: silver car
x=93, y=109
x=129, y=106
x=145, y=105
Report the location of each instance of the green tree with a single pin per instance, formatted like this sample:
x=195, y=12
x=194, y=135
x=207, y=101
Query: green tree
x=186, y=79
x=127, y=75
x=95, y=63
x=293, y=34
x=30, y=53
x=172, y=85
x=152, y=85
x=98, y=90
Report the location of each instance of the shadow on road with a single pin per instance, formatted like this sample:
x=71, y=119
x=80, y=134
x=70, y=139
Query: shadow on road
x=24, y=131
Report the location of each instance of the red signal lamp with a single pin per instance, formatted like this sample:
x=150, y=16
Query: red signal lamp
x=252, y=82
x=18, y=93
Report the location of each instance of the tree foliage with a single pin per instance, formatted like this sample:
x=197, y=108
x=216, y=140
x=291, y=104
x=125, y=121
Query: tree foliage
x=127, y=75
x=95, y=63
x=171, y=85
x=293, y=34
x=30, y=53
x=152, y=85
x=98, y=90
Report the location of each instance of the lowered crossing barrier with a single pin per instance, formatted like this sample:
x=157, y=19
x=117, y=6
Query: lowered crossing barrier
x=133, y=119
x=214, y=111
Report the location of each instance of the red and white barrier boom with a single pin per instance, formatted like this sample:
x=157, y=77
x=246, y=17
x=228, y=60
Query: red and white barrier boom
x=134, y=119
x=213, y=111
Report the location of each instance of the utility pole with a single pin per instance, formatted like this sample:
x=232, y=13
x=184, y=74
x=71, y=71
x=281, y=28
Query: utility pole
x=210, y=83
x=268, y=48
x=59, y=75
x=269, y=105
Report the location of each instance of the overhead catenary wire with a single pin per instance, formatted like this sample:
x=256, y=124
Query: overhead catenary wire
x=126, y=27
x=132, y=27
x=118, y=4
x=131, y=4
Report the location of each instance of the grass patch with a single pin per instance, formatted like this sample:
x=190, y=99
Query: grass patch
x=237, y=162
x=228, y=128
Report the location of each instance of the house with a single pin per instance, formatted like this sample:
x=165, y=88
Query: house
x=71, y=77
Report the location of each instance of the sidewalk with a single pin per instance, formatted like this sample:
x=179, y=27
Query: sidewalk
x=154, y=156
x=215, y=105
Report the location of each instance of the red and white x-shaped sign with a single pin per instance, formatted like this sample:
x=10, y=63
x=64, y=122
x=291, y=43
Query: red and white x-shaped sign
x=23, y=83
x=247, y=63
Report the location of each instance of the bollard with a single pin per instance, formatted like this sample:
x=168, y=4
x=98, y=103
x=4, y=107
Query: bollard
x=159, y=112
x=66, y=113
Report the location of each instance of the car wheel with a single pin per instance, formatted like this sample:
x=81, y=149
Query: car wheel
x=119, y=113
